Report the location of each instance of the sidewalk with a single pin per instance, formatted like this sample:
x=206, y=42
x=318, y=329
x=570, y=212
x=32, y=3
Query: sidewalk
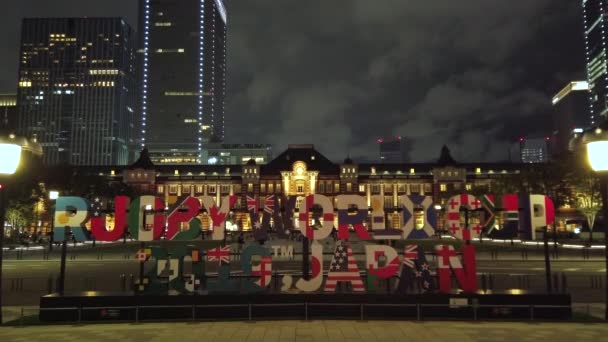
x=312, y=331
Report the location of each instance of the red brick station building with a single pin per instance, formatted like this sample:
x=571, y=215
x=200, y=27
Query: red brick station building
x=301, y=170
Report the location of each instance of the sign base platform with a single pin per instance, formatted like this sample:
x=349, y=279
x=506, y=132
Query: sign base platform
x=106, y=306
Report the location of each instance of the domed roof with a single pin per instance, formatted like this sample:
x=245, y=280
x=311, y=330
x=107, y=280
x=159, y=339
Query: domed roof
x=251, y=162
x=348, y=160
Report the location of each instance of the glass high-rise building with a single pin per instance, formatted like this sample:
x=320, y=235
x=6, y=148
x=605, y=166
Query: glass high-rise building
x=183, y=49
x=8, y=113
x=596, y=30
x=76, y=90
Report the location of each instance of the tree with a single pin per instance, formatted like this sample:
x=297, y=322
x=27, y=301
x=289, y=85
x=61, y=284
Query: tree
x=19, y=215
x=588, y=200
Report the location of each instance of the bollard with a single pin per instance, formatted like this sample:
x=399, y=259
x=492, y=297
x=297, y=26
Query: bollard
x=123, y=282
x=49, y=284
x=531, y=312
x=556, y=282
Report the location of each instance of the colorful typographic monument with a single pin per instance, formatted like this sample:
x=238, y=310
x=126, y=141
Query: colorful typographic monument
x=182, y=271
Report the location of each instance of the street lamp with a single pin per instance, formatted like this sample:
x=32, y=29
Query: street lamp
x=10, y=155
x=53, y=196
x=596, y=141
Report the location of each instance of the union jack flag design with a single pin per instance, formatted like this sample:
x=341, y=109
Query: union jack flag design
x=344, y=268
x=269, y=204
x=252, y=204
x=410, y=254
x=415, y=273
x=219, y=254
x=264, y=271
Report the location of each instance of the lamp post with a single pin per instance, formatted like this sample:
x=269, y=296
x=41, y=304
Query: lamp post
x=10, y=155
x=596, y=141
x=53, y=196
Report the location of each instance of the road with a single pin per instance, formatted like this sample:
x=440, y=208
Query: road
x=28, y=275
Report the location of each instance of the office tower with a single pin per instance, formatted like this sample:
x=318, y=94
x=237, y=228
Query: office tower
x=596, y=29
x=8, y=113
x=393, y=150
x=183, y=48
x=76, y=89
x=570, y=115
x=535, y=150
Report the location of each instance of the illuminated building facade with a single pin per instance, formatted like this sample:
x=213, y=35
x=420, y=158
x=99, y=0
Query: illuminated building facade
x=301, y=170
x=570, y=115
x=217, y=154
x=393, y=150
x=530, y=151
x=596, y=30
x=8, y=113
x=76, y=90
x=183, y=76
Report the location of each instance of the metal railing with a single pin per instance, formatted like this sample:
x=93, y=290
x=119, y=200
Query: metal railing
x=419, y=311
x=580, y=286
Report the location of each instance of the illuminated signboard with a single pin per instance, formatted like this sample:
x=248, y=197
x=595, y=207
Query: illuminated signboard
x=147, y=219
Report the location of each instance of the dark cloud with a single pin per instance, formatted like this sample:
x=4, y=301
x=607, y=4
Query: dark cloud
x=474, y=74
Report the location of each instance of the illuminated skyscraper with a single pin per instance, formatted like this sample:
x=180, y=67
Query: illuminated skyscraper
x=596, y=30
x=8, y=113
x=183, y=49
x=393, y=150
x=570, y=115
x=76, y=90
x=535, y=150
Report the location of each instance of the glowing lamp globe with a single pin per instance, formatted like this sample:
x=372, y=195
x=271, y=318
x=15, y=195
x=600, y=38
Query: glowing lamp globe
x=53, y=195
x=597, y=153
x=596, y=142
x=10, y=156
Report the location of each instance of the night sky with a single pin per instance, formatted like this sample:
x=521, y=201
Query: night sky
x=473, y=74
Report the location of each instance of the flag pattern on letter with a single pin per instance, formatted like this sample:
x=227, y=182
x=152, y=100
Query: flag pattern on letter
x=143, y=254
x=343, y=268
x=510, y=205
x=410, y=254
x=269, y=205
x=407, y=272
x=97, y=207
x=453, y=213
x=252, y=205
x=425, y=278
x=415, y=272
x=219, y=254
x=264, y=271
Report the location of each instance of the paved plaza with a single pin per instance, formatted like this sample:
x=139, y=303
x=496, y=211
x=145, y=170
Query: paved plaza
x=312, y=331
